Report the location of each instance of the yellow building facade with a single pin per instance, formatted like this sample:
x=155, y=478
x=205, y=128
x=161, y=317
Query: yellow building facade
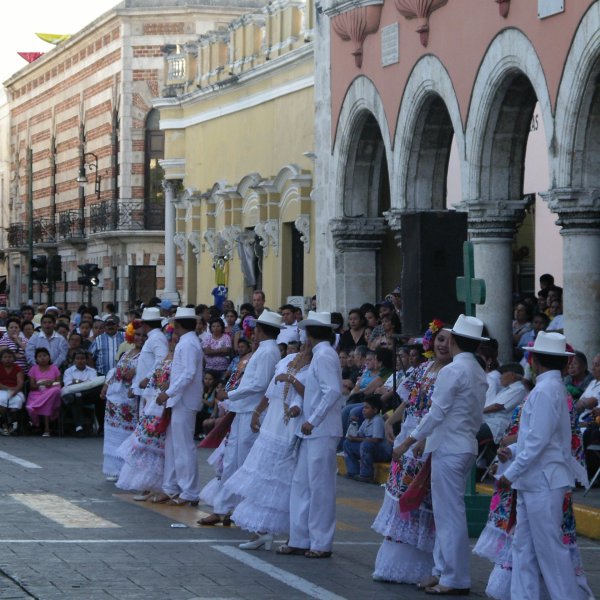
x=238, y=115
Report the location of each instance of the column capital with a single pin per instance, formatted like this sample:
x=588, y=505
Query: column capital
x=489, y=219
x=357, y=234
x=578, y=210
x=171, y=186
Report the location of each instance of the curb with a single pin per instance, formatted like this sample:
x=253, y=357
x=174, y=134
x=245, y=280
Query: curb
x=587, y=517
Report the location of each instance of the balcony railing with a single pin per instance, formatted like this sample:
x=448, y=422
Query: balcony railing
x=127, y=215
x=44, y=231
x=71, y=225
x=17, y=235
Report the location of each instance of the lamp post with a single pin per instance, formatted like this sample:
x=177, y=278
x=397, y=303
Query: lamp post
x=92, y=165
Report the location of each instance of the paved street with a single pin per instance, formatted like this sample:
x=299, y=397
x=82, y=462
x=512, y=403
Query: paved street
x=69, y=534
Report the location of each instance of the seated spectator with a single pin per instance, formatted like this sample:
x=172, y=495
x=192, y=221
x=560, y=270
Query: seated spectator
x=415, y=356
x=498, y=410
x=487, y=352
x=355, y=334
x=349, y=371
x=28, y=329
x=293, y=347
x=12, y=398
x=578, y=377
x=540, y=323
x=44, y=384
x=210, y=381
x=371, y=318
x=85, y=330
x=14, y=339
x=390, y=327
x=521, y=324
x=589, y=419
x=77, y=396
x=368, y=445
x=558, y=320
x=74, y=346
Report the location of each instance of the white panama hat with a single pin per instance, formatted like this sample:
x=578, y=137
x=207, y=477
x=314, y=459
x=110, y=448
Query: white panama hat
x=184, y=313
x=318, y=319
x=552, y=343
x=270, y=318
x=151, y=314
x=468, y=327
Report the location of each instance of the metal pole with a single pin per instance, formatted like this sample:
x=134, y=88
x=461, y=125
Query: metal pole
x=30, y=231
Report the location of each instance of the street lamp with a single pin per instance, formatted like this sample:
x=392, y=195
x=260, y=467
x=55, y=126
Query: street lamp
x=92, y=165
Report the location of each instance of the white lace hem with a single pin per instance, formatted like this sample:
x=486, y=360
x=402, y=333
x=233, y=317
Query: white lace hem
x=401, y=563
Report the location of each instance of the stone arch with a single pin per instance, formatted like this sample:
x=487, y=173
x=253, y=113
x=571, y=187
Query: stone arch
x=578, y=109
x=428, y=119
x=362, y=153
x=509, y=82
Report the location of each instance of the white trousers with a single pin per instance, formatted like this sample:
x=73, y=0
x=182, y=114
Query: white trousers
x=181, y=462
x=241, y=439
x=312, y=499
x=537, y=549
x=451, y=553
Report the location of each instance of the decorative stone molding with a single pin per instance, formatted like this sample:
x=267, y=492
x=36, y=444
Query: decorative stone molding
x=494, y=219
x=268, y=232
x=420, y=10
x=393, y=218
x=230, y=236
x=354, y=21
x=302, y=224
x=357, y=234
x=195, y=240
x=503, y=7
x=210, y=237
x=180, y=242
x=577, y=209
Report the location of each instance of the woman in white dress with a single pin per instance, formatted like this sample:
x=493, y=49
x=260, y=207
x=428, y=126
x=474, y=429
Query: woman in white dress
x=265, y=479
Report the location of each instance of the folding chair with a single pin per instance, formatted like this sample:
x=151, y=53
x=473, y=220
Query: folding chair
x=595, y=448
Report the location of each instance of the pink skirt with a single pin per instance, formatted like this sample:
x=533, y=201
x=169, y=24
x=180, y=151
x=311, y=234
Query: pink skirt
x=43, y=403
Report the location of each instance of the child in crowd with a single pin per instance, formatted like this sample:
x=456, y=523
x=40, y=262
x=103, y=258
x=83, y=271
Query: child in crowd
x=210, y=381
x=12, y=399
x=368, y=445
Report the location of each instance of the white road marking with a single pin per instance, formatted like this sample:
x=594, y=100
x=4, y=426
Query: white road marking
x=299, y=583
x=63, y=512
x=18, y=461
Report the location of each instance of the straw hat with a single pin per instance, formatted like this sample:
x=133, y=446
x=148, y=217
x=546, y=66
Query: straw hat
x=318, y=319
x=151, y=314
x=551, y=343
x=273, y=319
x=468, y=327
x=184, y=313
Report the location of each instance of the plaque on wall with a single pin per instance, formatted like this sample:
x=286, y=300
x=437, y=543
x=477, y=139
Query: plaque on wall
x=547, y=8
x=389, y=45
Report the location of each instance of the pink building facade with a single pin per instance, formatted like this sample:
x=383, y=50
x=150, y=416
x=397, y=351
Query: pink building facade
x=401, y=83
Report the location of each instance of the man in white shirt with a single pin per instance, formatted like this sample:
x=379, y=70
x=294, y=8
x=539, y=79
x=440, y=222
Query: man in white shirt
x=47, y=338
x=184, y=398
x=450, y=428
x=312, y=497
x=77, y=398
x=291, y=331
x=243, y=402
x=499, y=409
x=153, y=351
x=542, y=472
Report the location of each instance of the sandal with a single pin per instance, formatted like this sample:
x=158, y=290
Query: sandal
x=215, y=519
x=442, y=590
x=428, y=583
x=317, y=554
x=182, y=502
x=291, y=550
x=160, y=498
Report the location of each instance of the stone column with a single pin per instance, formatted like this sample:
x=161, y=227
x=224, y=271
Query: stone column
x=170, y=291
x=579, y=216
x=491, y=229
x=356, y=242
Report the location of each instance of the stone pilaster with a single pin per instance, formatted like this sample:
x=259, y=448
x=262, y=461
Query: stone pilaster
x=394, y=221
x=579, y=216
x=492, y=227
x=356, y=242
x=170, y=291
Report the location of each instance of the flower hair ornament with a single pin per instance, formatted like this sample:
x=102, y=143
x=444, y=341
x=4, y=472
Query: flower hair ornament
x=434, y=327
x=169, y=330
x=129, y=333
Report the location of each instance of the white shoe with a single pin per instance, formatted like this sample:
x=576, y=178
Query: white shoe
x=112, y=478
x=265, y=540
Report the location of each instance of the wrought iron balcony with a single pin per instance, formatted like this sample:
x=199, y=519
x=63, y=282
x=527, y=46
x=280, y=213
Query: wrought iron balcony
x=44, y=231
x=70, y=225
x=127, y=215
x=17, y=235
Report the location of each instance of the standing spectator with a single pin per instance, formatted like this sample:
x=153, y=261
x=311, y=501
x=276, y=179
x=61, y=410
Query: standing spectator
x=355, y=334
x=386, y=308
x=217, y=348
x=369, y=445
x=397, y=301
x=258, y=302
x=290, y=332
x=312, y=498
x=558, y=320
x=26, y=312
x=578, y=377
x=55, y=344
x=539, y=323
x=105, y=346
x=183, y=399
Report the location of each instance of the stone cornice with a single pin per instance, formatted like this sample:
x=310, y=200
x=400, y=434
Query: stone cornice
x=577, y=209
x=357, y=234
x=336, y=7
x=494, y=219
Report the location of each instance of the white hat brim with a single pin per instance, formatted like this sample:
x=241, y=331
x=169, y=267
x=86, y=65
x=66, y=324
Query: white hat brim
x=312, y=322
x=469, y=337
x=565, y=353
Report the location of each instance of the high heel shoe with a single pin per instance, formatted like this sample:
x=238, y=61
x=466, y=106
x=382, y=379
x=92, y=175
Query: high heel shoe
x=265, y=540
